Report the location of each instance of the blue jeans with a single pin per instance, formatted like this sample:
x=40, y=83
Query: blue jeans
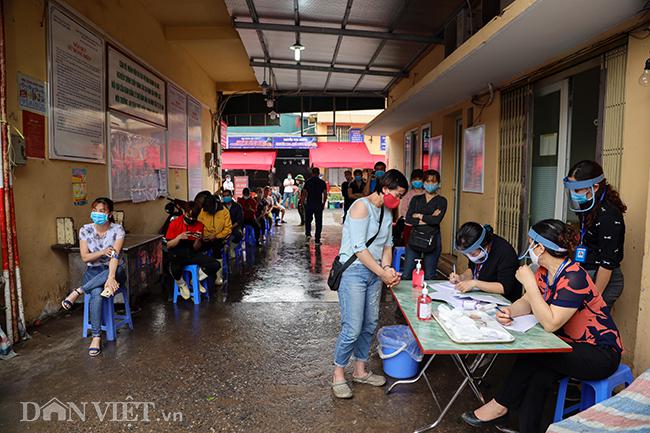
x=286, y=198
x=429, y=261
x=93, y=283
x=359, y=294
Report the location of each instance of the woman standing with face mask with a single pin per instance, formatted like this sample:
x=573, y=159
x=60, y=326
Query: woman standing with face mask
x=360, y=288
x=602, y=227
x=100, y=245
x=565, y=301
x=424, y=215
x=492, y=262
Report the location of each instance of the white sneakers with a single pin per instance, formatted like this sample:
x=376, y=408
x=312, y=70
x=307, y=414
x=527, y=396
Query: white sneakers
x=202, y=275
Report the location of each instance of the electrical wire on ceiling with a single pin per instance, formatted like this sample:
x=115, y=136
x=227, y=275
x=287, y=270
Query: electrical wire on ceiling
x=479, y=101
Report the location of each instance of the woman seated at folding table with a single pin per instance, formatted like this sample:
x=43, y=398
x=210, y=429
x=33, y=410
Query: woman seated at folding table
x=492, y=262
x=566, y=302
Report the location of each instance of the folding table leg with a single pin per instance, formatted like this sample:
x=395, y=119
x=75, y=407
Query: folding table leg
x=446, y=408
x=469, y=374
x=415, y=379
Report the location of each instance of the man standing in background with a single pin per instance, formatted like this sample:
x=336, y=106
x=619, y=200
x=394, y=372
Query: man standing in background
x=314, y=196
x=344, y=192
x=287, y=190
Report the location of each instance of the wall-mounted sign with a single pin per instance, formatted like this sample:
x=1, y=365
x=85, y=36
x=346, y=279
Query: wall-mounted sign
x=77, y=88
x=355, y=135
x=473, y=156
x=176, y=127
x=224, y=134
x=34, y=132
x=31, y=94
x=382, y=143
x=241, y=182
x=135, y=90
x=266, y=142
x=194, y=147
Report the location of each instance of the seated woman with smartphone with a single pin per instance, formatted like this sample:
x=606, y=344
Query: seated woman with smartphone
x=184, y=242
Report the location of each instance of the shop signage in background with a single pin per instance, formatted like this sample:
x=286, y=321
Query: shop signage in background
x=31, y=94
x=224, y=134
x=176, y=127
x=34, y=132
x=382, y=143
x=77, y=88
x=241, y=182
x=265, y=142
x=355, y=135
x=135, y=90
x=294, y=142
x=194, y=146
x=79, y=186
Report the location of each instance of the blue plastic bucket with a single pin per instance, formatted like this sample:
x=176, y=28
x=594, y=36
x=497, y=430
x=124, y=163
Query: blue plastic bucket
x=399, y=364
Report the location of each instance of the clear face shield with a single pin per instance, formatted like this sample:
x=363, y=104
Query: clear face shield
x=475, y=252
x=581, y=194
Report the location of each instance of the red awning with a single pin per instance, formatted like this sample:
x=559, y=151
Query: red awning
x=247, y=160
x=340, y=154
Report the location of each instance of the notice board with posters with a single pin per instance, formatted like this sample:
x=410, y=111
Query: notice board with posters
x=176, y=127
x=137, y=159
x=76, y=62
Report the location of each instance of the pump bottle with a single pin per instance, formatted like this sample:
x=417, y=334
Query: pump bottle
x=418, y=274
x=424, y=305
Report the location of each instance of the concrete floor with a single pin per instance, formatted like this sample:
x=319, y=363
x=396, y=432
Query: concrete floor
x=256, y=358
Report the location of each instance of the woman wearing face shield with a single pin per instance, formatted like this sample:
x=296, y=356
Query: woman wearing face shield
x=492, y=262
x=564, y=299
x=602, y=227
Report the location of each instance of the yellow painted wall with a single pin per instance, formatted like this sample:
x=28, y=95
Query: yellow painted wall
x=43, y=189
x=631, y=310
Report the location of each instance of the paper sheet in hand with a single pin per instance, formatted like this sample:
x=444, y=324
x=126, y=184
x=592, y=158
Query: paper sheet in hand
x=522, y=323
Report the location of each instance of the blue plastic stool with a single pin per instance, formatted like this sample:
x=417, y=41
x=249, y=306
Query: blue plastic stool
x=239, y=253
x=268, y=226
x=191, y=271
x=398, y=252
x=225, y=257
x=249, y=235
x=111, y=322
x=593, y=391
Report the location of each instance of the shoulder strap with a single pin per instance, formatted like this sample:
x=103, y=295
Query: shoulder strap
x=368, y=243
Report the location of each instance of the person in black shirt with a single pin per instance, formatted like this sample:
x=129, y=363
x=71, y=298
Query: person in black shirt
x=425, y=213
x=602, y=227
x=314, y=196
x=357, y=187
x=492, y=262
x=344, y=191
x=236, y=216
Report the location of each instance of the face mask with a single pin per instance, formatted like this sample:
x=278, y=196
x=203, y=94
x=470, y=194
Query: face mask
x=99, y=218
x=534, y=258
x=480, y=258
x=227, y=179
x=379, y=173
x=579, y=198
x=390, y=201
x=288, y=176
x=227, y=199
x=431, y=187
x=247, y=196
x=417, y=184
x=358, y=178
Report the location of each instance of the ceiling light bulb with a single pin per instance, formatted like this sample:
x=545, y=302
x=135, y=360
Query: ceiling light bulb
x=296, y=48
x=269, y=103
x=273, y=115
x=644, y=79
x=265, y=87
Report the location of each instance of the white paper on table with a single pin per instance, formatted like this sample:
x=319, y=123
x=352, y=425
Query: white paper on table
x=445, y=287
x=522, y=323
x=447, y=297
x=484, y=297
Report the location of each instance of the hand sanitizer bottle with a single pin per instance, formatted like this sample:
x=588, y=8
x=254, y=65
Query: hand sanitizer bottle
x=424, y=305
x=418, y=274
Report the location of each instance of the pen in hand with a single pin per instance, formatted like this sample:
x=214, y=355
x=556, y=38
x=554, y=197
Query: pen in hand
x=507, y=315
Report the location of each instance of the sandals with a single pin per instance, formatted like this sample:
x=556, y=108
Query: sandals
x=371, y=379
x=94, y=351
x=341, y=389
x=67, y=305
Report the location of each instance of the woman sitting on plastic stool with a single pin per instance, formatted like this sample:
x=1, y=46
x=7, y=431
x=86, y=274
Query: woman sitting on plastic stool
x=566, y=302
x=100, y=244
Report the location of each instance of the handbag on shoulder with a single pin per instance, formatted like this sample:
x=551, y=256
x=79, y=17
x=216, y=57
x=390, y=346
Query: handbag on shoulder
x=336, y=273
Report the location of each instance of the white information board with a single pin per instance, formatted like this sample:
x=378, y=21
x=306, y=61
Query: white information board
x=76, y=71
x=135, y=90
x=137, y=160
x=473, y=159
x=177, y=127
x=194, y=148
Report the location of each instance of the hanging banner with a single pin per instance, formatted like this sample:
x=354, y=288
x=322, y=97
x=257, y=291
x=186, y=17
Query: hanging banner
x=294, y=142
x=194, y=147
x=31, y=94
x=425, y=136
x=224, y=134
x=473, y=155
x=250, y=142
x=435, y=153
x=276, y=142
x=135, y=90
x=177, y=128
x=77, y=88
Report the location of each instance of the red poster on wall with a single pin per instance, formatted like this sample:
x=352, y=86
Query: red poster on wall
x=224, y=134
x=241, y=182
x=34, y=132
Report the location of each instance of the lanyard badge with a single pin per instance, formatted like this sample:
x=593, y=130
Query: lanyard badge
x=581, y=251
